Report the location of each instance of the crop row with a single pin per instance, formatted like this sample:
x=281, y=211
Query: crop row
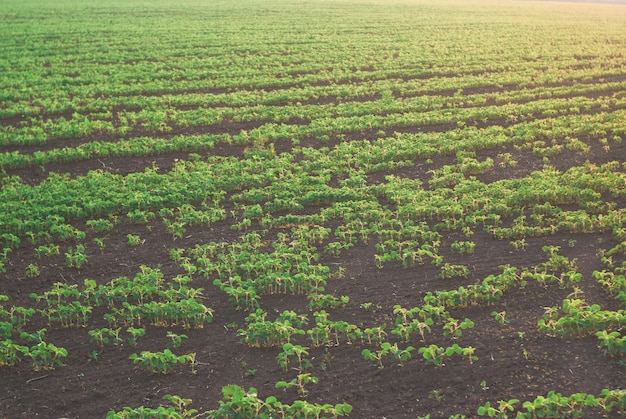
x=432, y=111
x=552, y=136
x=287, y=187
x=436, y=93
x=95, y=80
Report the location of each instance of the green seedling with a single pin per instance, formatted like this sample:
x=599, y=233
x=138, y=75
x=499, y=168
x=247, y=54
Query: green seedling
x=76, y=258
x=134, y=240
x=161, y=362
x=100, y=225
x=299, y=382
x=175, y=339
x=502, y=411
x=135, y=333
x=500, y=317
x=387, y=349
x=452, y=327
x=32, y=271
x=294, y=354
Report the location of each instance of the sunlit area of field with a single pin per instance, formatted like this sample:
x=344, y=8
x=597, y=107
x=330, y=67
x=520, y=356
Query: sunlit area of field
x=320, y=208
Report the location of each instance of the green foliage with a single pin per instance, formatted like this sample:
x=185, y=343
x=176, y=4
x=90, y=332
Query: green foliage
x=500, y=317
x=11, y=352
x=76, y=258
x=161, y=362
x=613, y=343
x=299, y=383
x=43, y=355
x=498, y=412
x=386, y=348
x=133, y=240
x=436, y=355
x=579, y=318
x=32, y=271
x=100, y=225
x=175, y=339
x=263, y=333
x=180, y=409
x=47, y=250
x=135, y=333
x=294, y=355
x=101, y=336
x=331, y=131
x=242, y=404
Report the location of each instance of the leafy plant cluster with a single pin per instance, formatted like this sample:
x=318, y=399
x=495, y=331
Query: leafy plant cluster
x=146, y=299
x=238, y=403
x=556, y=405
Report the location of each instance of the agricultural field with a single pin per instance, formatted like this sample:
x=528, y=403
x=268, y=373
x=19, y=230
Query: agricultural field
x=312, y=208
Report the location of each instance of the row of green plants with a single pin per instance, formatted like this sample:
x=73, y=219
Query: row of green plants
x=50, y=223
x=157, y=120
x=557, y=405
x=593, y=181
x=322, y=128
x=95, y=111
x=192, y=77
x=41, y=355
x=147, y=299
x=239, y=403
